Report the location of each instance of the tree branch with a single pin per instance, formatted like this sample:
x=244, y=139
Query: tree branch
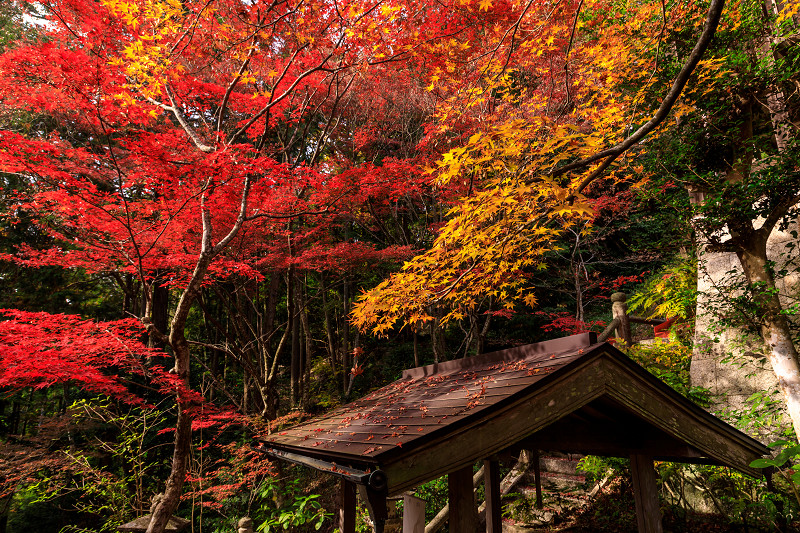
x=611, y=154
x=182, y=121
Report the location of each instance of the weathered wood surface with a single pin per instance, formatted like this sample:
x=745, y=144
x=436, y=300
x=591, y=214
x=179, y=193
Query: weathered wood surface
x=440, y=519
x=649, y=321
x=413, y=514
x=347, y=506
x=377, y=506
x=697, y=435
x=494, y=507
x=463, y=516
x=505, y=427
x=645, y=493
x=656, y=403
x=563, y=344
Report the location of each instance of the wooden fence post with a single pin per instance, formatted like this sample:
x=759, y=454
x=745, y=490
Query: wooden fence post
x=413, y=514
x=619, y=310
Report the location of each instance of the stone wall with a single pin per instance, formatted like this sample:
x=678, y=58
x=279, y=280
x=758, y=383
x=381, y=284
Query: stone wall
x=729, y=362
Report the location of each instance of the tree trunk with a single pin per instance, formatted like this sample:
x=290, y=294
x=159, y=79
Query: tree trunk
x=182, y=368
x=345, y=337
x=294, y=327
x=437, y=338
x=177, y=475
x=416, y=347
x=159, y=310
x=328, y=324
x=775, y=331
x=308, y=347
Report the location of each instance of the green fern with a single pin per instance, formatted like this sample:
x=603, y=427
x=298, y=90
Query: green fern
x=670, y=292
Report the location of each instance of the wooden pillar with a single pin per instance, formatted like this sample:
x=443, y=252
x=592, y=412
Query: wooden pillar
x=347, y=507
x=413, y=514
x=491, y=485
x=645, y=492
x=619, y=309
x=537, y=478
x=463, y=511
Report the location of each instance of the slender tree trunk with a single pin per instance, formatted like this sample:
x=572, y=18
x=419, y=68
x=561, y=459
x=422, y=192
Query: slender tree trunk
x=481, y=346
x=416, y=347
x=294, y=326
x=344, y=334
x=437, y=338
x=272, y=305
x=129, y=299
x=775, y=331
x=183, y=429
x=182, y=368
x=328, y=324
x=246, y=396
x=309, y=345
x=752, y=253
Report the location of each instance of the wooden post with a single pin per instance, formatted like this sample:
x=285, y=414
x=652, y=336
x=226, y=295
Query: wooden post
x=491, y=484
x=645, y=492
x=537, y=478
x=619, y=309
x=463, y=511
x=413, y=514
x=347, y=507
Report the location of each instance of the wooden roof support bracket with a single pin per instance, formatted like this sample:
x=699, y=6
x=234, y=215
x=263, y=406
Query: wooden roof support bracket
x=372, y=486
x=376, y=505
x=374, y=479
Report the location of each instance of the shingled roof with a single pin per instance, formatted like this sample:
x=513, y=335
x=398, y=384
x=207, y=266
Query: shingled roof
x=570, y=394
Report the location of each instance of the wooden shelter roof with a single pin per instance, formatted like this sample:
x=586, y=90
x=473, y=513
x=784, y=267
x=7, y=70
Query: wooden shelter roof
x=570, y=394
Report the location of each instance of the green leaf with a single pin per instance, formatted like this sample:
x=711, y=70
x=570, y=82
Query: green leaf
x=763, y=463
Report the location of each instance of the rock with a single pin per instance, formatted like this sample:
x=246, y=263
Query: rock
x=246, y=525
x=140, y=524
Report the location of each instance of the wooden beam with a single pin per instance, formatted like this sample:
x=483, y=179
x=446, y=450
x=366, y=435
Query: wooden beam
x=645, y=493
x=347, y=506
x=463, y=511
x=491, y=484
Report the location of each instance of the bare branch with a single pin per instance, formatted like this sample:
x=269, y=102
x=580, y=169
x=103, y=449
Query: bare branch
x=182, y=121
x=233, y=83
